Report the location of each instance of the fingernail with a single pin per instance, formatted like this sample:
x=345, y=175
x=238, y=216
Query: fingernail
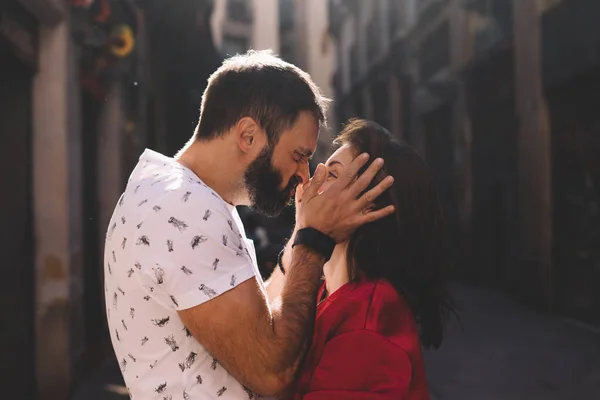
x=389, y=179
x=364, y=156
x=379, y=161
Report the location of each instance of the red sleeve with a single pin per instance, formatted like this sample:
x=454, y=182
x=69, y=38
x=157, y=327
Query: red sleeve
x=360, y=365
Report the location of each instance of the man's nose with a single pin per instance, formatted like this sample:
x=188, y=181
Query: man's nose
x=304, y=173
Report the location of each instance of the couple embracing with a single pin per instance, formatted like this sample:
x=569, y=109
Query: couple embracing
x=359, y=289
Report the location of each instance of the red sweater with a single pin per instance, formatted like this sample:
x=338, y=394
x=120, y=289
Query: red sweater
x=365, y=346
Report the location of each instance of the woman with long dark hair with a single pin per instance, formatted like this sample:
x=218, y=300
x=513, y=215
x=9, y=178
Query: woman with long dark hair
x=384, y=295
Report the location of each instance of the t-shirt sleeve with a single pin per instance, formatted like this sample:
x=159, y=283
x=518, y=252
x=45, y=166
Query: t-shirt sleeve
x=361, y=365
x=188, y=256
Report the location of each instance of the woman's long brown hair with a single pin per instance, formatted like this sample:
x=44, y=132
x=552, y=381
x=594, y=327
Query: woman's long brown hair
x=409, y=249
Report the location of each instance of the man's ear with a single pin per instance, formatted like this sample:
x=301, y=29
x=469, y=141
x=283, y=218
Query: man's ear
x=249, y=134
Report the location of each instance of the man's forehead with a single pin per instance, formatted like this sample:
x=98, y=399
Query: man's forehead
x=303, y=136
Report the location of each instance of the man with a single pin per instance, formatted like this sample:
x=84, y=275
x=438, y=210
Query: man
x=189, y=315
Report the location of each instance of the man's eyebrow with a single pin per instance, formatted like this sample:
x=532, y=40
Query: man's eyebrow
x=305, y=152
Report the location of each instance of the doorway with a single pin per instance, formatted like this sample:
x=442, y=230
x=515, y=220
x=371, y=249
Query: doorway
x=17, y=336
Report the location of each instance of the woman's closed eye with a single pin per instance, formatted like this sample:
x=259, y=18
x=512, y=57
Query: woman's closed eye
x=332, y=175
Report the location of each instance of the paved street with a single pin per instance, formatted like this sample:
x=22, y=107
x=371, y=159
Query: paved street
x=506, y=352
x=106, y=384
x=501, y=351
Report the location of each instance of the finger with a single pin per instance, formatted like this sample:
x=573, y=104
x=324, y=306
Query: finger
x=351, y=171
x=367, y=209
x=376, y=215
x=312, y=188
x=363, y=181
x=370, y=196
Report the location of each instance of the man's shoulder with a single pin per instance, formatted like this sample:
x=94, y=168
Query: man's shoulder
x=178, y=192
x=193, y=209
x=188, y=193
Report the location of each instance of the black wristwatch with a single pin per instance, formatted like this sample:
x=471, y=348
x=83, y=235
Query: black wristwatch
x=315, y=240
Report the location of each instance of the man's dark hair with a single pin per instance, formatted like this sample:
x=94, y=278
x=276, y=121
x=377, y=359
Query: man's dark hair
x=261, y=86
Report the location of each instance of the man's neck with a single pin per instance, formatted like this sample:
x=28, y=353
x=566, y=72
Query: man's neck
x=336, y=269
x=215, y=165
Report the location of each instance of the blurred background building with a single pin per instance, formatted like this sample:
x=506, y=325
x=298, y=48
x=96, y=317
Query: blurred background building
x=85, y=86
x=500, y=96
x=296, y=30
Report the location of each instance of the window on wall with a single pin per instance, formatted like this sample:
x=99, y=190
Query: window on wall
x=358, y=106
x=548, y=4
x=286, y=15
x=354, y=67
x=492, y=22
x=239, y=10
x=233, y=45
x=286, y=52
x=434, y=53
x=373, y=39
x=410, y=9
x=393, y=18
x=336, y=82
x=381, y=103
x=374, y=32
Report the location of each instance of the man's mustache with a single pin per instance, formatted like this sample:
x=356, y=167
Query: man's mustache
x=293, y=183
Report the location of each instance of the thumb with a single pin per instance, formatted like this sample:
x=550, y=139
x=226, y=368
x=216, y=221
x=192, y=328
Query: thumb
x=299, y=192
x=312, y=189
x=319, y=175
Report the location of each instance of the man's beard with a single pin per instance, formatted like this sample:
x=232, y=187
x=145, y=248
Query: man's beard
x=262, y=181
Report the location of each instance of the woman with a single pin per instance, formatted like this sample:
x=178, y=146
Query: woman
x=385, y=290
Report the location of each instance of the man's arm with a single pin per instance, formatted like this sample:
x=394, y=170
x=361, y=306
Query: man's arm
x=258, y=345
x=276, y=281
x=274, y=286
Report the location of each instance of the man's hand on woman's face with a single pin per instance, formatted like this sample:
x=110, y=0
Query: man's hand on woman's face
x=340, y=209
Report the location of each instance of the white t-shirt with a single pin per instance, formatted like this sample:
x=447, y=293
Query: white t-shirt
x=172, y=244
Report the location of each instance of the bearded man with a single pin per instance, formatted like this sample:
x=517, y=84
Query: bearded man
x=189, y=315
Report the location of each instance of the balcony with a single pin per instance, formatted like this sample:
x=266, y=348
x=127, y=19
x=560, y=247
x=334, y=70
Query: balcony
x=394, y=19
x=239, y=11
x=354, y=64
x=234, y=45
x=570, y=40
x=435, y=52
x=492, y=21
x=374, y=39
x=338, y=10
x=338, y=85
x=429, y=10
x=286, y=15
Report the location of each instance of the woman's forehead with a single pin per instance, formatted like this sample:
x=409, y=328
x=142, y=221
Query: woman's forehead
x=344, y=155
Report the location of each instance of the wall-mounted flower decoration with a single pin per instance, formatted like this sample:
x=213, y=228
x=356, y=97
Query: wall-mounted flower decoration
x=122, y=41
